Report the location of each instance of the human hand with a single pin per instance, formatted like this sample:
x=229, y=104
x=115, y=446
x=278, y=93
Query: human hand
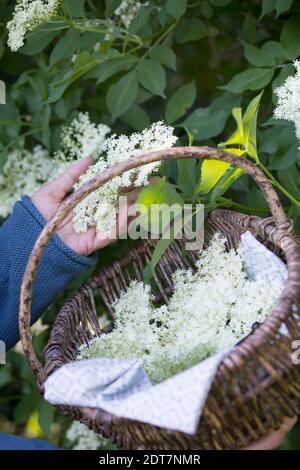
x=273, y=440
x=49, y=197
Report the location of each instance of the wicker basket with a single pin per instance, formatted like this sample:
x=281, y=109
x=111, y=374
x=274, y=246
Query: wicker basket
x=256, y=385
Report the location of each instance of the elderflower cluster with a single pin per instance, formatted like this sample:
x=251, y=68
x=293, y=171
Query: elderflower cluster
x=288, y=99
x=127, y=11
x=27, y=15
x=82, y=138
x=209, y=310
x=98, y=209
x=23, y=173
x=84, y=438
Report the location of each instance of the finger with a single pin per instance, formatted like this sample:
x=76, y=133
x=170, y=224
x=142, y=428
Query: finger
x=154, y=179
x=133, y=196
x=61, y=185
x=123, y=218
x=102, y=240
x=90, y=241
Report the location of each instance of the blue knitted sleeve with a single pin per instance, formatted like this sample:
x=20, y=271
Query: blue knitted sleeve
x=58, y=267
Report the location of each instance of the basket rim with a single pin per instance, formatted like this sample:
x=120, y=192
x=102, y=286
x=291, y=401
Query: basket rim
x=175, y=153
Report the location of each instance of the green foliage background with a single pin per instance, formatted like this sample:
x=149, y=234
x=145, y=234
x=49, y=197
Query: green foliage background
x=186, y=62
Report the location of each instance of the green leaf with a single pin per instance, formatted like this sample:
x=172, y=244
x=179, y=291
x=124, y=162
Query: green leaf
x=290, y=179
x=179, y=103
x=187, y=175
x=190, y=30
x=258, y=57
x=285, y=72
x=84, y=60
x=211, y=172
x=290, y=37
x=255, y=198
x=159, y=203
x=158, y=252
x=25, y=407
x=70, y=101
x=65, y=47
x=251, y=79
x=249, y=28
x=171, y=196
x=287, y=151
x=250, y=125
x=164, y=55
x=269, y=141
x=162, y=246
x=141, y=19
x=204, y=123
x=267, y=7
x=110, y=67
x=143, y=96
x=38, y=41
x=46, y=415
x=153, y=193
x=237, y=138
x=163, y=17
x=5, y=374
x=122, y=95
x=76, y=8
x=43, y=121
x=176, y=8
x=157, y=194
x=83, y=64
x=111, y=6
x=224, y=183
x=282, y=6
x=243, y=140
x=136, y=117
x=89, y=39
x=10, y=118
x=275, y=49
x=152, y=76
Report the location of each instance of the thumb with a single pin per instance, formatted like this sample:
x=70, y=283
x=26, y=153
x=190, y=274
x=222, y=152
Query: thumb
x=61, y=185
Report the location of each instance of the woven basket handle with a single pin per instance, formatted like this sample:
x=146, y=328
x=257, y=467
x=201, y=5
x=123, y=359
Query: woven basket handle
x=70, y=202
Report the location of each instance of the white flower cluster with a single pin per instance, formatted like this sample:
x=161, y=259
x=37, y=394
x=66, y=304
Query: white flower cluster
x=98, y=209
x=288, y=99
x=84, y=438
x=23, y=173
x=210, y=310
x=29, y=14
x=127, y=12
x=82, y=138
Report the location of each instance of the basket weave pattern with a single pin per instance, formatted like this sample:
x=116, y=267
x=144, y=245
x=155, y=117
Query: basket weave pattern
x=256, y=385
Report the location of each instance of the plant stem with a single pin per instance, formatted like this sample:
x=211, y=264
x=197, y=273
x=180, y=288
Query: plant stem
x=158, y=41
x=228, y=203
x=58, y=28
x=69, y=23
x=20, y=137
x=92, y=6
x=277, y=184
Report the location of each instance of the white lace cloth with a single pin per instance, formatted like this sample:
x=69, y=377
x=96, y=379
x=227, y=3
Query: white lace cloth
x=122, y=387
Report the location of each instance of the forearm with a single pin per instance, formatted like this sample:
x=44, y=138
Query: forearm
x=58, y=267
